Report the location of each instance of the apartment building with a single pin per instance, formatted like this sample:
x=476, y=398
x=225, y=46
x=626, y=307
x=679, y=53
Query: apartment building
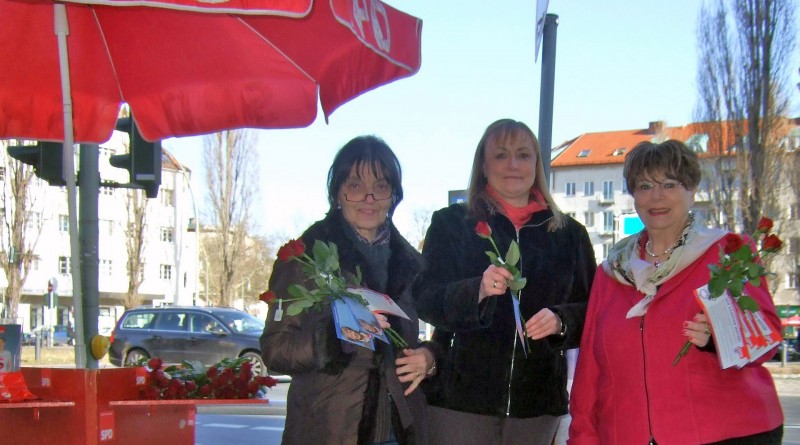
x=171, y=254
x=587, y=183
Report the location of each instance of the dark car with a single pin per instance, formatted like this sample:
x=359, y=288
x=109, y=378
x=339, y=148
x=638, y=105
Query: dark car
x=175, y=334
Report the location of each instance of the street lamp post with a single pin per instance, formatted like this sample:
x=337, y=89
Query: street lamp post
x=197, y=245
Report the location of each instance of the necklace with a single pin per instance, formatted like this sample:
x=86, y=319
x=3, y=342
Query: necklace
x=657, y=256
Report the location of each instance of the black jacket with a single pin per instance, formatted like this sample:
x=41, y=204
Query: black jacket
x=329, y=376
x=485, y=370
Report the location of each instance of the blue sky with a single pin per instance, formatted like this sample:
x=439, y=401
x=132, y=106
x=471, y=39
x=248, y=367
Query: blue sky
x=619, y=65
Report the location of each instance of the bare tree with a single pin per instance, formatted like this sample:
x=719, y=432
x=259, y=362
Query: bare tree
x=21, y=226
x=742, y=83
x=230, y=161
x=422, y=219
x=135, y=242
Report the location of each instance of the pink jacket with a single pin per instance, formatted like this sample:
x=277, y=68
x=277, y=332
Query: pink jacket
x=627, y=390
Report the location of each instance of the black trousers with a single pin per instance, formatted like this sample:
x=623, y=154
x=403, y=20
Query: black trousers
x=774, y=437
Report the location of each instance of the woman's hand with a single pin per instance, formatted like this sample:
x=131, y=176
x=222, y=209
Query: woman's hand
x=697, y=331
x=413, y=366
x=542, y=324
x=382, y=320
x=494, y=282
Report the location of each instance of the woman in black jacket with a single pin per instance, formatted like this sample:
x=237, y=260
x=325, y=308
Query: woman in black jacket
x=490, y=389
x=341, y=393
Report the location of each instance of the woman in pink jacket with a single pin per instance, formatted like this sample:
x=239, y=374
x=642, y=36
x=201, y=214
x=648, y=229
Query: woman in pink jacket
x=642, y=310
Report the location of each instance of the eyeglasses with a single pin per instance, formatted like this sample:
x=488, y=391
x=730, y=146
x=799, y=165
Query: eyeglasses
x=357, y=192
x=649, y=187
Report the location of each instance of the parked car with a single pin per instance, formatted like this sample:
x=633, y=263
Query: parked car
x=175, y=334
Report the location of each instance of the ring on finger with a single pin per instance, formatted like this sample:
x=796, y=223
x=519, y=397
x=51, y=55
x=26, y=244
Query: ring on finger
x=494, y=285
x=707, y=331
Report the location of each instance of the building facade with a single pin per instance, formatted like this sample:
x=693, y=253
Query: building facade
x=170, y=250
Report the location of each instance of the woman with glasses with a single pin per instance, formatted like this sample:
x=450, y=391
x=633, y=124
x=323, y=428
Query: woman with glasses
x=497, y=386
x=628, y=389
x=342, y=393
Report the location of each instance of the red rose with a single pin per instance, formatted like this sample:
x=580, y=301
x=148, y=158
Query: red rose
x=212, y=372
x=291, y=249
x=733, y=242
x=771, y=243
x=764, y=224
x=268, y=297
x=154, y=363
x=483, y=230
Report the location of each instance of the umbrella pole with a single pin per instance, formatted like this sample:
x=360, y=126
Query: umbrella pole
x=62, y=30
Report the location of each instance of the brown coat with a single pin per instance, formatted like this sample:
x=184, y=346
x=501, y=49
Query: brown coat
x=336, y=386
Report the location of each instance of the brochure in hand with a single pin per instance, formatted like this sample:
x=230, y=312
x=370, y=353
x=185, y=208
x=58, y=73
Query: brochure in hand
x=356, y=323
x=740, y=336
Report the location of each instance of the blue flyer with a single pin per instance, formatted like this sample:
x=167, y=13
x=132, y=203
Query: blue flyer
x=366, y=319
x=347, y=327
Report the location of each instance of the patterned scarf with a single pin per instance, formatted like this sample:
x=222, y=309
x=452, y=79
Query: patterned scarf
x=625, y=263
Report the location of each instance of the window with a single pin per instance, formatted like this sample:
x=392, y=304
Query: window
x=35, y=264
x=589, y=218
x=64, y=265
x=2, y=173
x=570, y=189
x=588, y=188
x=584, y=153
x=166, y=234
x=105, y=227
x=606, y=249
x=608, y=221
x=34, y=221
x=165, y=272
x=793, y=245
x=794, y=211
x=106, y=191
x=63, y=223
x=624, y=186
x=618, y=151
x=571, y=214
x=106, y=268
x=791, y=281
x=167, y=197
x=608, y=190
x=142, y=320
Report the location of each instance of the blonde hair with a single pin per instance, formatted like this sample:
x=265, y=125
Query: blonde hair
x=479, y=204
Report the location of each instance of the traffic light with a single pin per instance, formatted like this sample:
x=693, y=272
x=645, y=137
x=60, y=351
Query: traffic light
x=143, y=161
x=47, y=159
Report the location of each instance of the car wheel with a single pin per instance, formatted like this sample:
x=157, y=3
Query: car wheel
x=136, y=356
x=259, y=368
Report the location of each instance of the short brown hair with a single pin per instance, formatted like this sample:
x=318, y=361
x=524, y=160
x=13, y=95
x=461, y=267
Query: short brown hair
x=671, y=158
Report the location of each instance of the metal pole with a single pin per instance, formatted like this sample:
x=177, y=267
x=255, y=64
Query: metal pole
x=89, y=185
x=546, y=91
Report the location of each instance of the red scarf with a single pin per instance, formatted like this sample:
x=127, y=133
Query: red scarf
x=519, y=215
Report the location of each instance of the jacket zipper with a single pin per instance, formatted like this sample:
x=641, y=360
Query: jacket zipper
x=652, y=440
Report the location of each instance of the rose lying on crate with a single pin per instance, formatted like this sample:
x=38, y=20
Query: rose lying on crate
x=228, y=379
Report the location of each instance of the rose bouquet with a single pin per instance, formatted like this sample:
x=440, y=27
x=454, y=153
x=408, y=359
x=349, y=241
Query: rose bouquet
x=322, y=267
x=228, y=379
x=509, y=263
x=739, y=265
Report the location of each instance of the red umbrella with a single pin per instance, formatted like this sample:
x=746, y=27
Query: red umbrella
x=187, y=73
x=794, y=320
x=188, y=67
